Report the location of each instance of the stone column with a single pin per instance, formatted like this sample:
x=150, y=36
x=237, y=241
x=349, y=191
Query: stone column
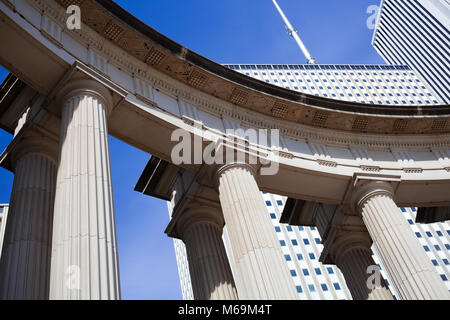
x=256, y=249
x=25, y=263
x=406, y=262
x=355, y=261
x=211, y=276
x=84, y=253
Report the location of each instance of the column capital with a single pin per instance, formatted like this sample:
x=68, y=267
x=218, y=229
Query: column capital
x=193, y=213
x=85, y=87
x=220, y=169
x=43, y=146
x=30, y=141
x=364, y=187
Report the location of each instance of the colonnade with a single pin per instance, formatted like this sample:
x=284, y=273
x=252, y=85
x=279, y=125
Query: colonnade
x=60, y=240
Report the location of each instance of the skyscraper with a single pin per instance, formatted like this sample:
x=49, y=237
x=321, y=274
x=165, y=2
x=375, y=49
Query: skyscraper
x=301, y=246
x=374, y=84
x=417, y=33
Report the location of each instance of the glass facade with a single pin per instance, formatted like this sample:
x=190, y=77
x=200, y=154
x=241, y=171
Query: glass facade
x=417, y=33
x=369, y=84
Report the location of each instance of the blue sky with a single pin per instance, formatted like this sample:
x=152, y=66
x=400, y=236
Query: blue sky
x=226, y=31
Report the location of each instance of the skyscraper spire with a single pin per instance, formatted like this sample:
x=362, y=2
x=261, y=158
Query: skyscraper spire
x=294, y=33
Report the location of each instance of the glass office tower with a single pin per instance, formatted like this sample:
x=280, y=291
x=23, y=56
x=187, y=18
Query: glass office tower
x=417, y=33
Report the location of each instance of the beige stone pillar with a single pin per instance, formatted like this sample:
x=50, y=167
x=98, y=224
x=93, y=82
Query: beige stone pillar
x=211, y=276
x=84, y=253
x=355, y=262
x=256, y=250
x=406, y=262
x=25, y=263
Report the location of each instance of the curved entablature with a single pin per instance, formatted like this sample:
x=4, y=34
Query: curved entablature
x=161, y=53
x=153, y=95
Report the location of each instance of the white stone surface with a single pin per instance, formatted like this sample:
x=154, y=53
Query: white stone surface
x=411, y=271
x=84, y=254
x=25, y=263
x=256, y=250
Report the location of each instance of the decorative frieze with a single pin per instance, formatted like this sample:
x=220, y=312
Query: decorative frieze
x=327, y=163
x=370, y=168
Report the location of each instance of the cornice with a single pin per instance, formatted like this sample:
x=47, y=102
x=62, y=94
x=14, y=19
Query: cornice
x=235, y=90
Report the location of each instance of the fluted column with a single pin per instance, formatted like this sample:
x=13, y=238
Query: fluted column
x=25, y=263
x=209, y=267
x=354, y=264
x=262, y=271
x=84, y=255
x=406, y=262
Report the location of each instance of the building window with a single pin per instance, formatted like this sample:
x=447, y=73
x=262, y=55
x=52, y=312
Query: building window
x=287, y=257
x=437, y=247
x=268, y=203
x=277, y=229
x=273, y=216
x=289, y=228
x=318, y=271
x=299, y=289
x=294, y=242
x=279, y=202
x=444, y=277
x=330, y=270
x=434, y=262
x=299, y=256
x=293, y=273
x=312, y=256
x=324, y=287
x=336, y=286
x=283, y=243
x=306, y=241
x=311, y=288
x=429, y=234
x=305, y=272
x=426, y=248
x=418, y=235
